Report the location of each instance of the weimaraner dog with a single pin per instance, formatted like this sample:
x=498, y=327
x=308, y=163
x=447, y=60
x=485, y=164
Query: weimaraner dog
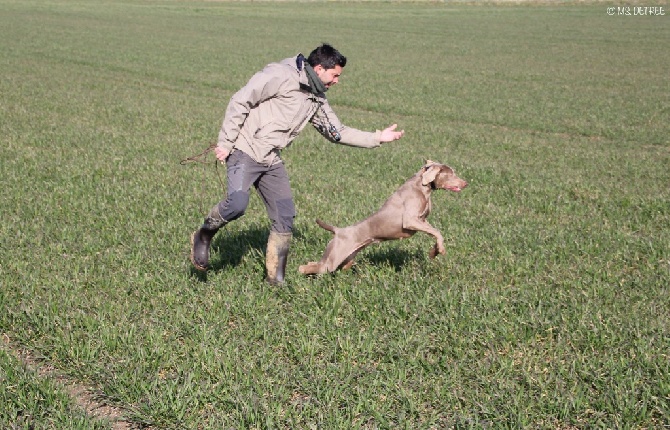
x=402, y=215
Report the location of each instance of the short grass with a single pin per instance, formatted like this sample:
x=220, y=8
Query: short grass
x=29, y=401
x=550, y=309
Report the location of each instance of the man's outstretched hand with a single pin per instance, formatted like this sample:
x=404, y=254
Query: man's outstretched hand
x=389, y=134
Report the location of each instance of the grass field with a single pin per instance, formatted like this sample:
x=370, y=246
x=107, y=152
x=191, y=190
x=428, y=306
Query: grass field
x=550, y=310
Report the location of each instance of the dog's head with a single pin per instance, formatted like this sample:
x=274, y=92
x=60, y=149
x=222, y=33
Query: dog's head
x=441, y=176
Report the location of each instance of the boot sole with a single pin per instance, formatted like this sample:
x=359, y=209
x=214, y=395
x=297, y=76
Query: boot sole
x=195, y=264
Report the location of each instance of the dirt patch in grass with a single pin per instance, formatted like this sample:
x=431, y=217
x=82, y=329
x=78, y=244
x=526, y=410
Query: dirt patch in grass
x=84, y=396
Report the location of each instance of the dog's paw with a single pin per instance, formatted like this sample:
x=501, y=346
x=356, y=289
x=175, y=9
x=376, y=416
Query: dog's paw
x=307, y=269
x=436, y=250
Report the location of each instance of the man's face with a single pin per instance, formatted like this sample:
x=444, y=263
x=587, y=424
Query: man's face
x=329, y=77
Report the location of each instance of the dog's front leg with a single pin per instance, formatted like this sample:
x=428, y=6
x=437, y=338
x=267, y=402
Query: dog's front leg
x=422, y=225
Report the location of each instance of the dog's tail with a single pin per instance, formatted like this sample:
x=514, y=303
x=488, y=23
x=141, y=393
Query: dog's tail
x=325, y=226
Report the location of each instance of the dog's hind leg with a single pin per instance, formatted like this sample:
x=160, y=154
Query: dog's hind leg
x=349, y=261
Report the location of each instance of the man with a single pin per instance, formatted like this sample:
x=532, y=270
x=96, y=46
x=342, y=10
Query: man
x=262, y=119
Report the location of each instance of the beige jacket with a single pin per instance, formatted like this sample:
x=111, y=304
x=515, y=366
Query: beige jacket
x=271, y=110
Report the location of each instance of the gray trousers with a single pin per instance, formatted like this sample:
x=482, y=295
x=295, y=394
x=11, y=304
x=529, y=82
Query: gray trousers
x=271, y=183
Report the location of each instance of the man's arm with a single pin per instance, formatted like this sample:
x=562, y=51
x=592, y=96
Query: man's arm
x=323, y=120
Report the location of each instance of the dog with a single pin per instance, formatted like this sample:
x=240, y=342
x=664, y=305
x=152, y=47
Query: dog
x=402, y=215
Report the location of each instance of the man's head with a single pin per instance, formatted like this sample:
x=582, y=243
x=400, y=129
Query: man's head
x=328, y=63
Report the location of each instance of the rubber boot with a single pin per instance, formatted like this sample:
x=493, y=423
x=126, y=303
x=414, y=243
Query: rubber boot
x=201, y=239
x=276, y=257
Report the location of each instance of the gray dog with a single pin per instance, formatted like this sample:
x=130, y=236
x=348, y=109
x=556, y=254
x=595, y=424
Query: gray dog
x=402, y=215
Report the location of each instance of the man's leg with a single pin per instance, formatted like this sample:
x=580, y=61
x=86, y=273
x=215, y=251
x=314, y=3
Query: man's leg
x=242, y=172
x=275, y=190
x=201, y=239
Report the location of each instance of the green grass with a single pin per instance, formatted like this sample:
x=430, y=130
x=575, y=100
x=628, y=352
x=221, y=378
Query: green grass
x=30, y=402
x=550, y=309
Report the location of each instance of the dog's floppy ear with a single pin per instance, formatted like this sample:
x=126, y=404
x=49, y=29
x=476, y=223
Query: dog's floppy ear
x=432, y=169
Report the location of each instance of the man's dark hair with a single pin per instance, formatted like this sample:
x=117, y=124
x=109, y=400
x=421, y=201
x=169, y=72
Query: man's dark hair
x=327, y=56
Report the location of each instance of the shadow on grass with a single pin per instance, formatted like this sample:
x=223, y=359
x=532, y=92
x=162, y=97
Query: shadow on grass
x=395, y=258
x=229, y=246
